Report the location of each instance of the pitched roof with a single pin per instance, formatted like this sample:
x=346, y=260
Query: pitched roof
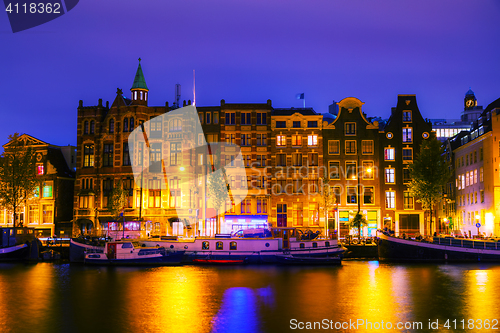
x=139, y=81
x=290, y=111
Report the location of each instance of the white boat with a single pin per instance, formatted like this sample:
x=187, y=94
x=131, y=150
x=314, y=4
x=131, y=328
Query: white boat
x=283, y=241
x=133, y=253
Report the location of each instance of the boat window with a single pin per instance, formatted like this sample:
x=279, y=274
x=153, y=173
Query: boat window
x=205, y=245
x=127, y=246
x=232, y=246
x=327, y=244
x=315, y=244
x=219, y=246
x=267, y=244
x=302, y=245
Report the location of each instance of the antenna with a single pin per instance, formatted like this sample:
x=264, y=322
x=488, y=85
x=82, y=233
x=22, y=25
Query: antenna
x=177, y=94
x=194, y=88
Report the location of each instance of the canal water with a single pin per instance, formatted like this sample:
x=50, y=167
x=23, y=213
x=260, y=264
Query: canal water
x=47, y=297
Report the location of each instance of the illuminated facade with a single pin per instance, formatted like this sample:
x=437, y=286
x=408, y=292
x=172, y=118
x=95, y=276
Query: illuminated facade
x=475, y=160
x=351, y=150
x=49, y=209
x=296, y=146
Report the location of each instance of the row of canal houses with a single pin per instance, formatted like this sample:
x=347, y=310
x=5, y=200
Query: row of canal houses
x=287, y=152
x=288, y=155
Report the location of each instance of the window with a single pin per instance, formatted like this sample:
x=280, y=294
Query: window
x=261, y=160
x=350, y=128
x=175, y=153
x=230, y=138
x=280, y=124
x=261, y=205
x=155, y=130
x=368, y=170
x=107, y=186
x=481, y=154
x=131, y=127
x=47, y=190
x=481, y=194
x=39, y=170
x=390, y=199
x=216, y=117
x=389, y=154
x=297, y=186
x=352, y=197
x=92, y=127
x=313, y=213
x=280, y=159
x=406, y=175
x=261, y=118
x=208, y=118
x=230, y=118
x=368, y=195
x=297, y=159
x=128, y=187
x=47, y=213
x=246, y=160
x=333, y=147
x=298, y=214
x=334, y=169
x=155, y=157
x=296, y=140
x=350, y=147
x=312, y=140
x=233, y=246
x=475, y=176
x=407, y=137
x=296, y=124
x=408, y=201
x=281, y=140
x=407, y=116
x=475, y=156
x=312, y=124
x=140, y=153
x=111, y=126
x=313, y=159
x=246, y=140
x=86, y=127
x=246, y=118
x=126, y=154
x=467, y=179
x=467, y=160
x=390, y=177
x=175, y=125
x=88, y=156
x=261, y=139
x=175, y=192
x=125, y=124
x=205, y=245
x=407, y=154
x=481, y=174
x=367, y=147
x=200, y=115
x=107, y=160
x=246, y=206
x=351, y=169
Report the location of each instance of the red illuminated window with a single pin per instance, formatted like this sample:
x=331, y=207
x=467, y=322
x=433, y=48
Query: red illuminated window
x=39, y=170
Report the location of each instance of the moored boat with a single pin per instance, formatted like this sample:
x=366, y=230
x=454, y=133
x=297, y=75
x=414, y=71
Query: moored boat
x=210, y=261
x=263, y=247
x=133, y=253
x=79, y=246
x=438, y=249
x=15, y=243
x=289, y=259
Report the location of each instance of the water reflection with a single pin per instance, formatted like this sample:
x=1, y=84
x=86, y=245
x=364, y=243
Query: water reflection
x=75, y=298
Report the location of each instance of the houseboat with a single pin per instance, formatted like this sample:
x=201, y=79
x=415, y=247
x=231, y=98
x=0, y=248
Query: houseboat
x=15, y=243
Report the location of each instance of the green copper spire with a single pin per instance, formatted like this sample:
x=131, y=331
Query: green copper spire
x=139, y=82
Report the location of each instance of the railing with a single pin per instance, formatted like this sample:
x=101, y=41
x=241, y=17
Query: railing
x=472, y=244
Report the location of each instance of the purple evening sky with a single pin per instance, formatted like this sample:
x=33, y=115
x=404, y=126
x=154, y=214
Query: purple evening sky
x=249, y=51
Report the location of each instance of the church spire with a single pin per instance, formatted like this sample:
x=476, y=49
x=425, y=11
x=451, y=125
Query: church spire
x=139, y=88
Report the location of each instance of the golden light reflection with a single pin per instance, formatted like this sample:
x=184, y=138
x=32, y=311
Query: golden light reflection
x=482, y=294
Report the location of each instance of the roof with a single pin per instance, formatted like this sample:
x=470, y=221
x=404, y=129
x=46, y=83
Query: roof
x=139, y=81
x=470, y=93
x=290, y=111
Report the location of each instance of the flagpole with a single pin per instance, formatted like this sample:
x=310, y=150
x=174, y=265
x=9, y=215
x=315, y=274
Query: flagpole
x=304, y=101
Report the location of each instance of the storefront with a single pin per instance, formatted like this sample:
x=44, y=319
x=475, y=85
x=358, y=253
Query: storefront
x=233, y=223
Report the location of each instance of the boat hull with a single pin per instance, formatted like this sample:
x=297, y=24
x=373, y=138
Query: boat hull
x=396, y=249
x=77, y=250
x=14, y=253
x=294, y=260
x=164, y=260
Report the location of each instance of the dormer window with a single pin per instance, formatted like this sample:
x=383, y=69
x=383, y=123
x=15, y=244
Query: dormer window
x=140, y=94
x=111, y=126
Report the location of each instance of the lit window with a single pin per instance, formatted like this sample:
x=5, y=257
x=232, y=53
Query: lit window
x=351, y=169
x=367, y=147
x=281, y=140
x=312, y=140
x=390, y=199
x=368, y=170
x=334, y=169
x=407, y=137
x=408, y=201
x=389, y=154
x=350, y=147
x=174, y=125
x=390, y=177
x=352, y=196
x=39, y=170
x=88, y=156
x=481, y=174
x=47, y=190
x=296, y=140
